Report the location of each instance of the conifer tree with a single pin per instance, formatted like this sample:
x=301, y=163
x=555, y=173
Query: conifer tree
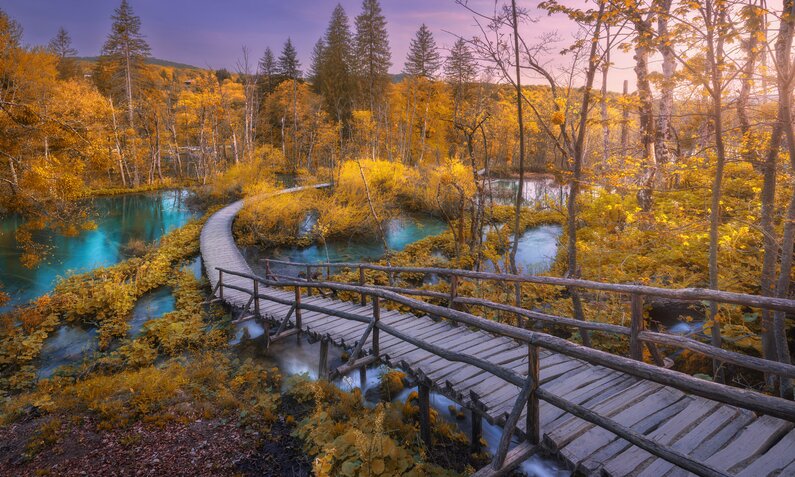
x=61, y=46
x=423, y=59
x=287, y=68
x=335, y=78
x=288, y=64
x=267, y=70
x=460, y=66
x=125, y=50
x=372, y=53
x=317, y=57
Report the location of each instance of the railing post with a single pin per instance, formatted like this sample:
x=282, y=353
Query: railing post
x=453, y=290
x=376, y=319
x=268, y=273
x=361, y=284
x=424, y=395
x=328, y=272
x=636, y=326
x=533, y=424
x=362, y=377
x=257, y=316
x=309, y=279
x=717, y=341
x=517, y=290
x=220, y=284
x=298, y=307
x=476, y=432
x=322, y=367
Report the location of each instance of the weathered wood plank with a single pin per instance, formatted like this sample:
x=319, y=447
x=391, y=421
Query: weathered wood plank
x=724, y=417
x=643, y=416
x=750, y=442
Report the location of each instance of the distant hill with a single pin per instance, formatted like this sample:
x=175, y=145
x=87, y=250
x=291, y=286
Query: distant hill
x=151, y=61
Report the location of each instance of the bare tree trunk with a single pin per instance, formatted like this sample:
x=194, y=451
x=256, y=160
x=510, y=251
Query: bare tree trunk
x=381, y=233
x=424, y=132
x=578, y=157
x=603, y=102
x=783, y=52
x=517, y=233
x=295, y=122
x=715, y=61
x=118, y=144
x=663, y=136
x=646, y=113
x=625, y=122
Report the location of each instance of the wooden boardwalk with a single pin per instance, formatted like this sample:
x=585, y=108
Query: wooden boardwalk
x=731, y=440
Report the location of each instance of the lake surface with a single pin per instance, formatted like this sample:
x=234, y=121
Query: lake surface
x=535, y=192
x=536, y=252
x=400, y=233
x=119, y=219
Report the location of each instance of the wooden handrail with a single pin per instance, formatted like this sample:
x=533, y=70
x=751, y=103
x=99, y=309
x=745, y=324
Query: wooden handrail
x=685, y=294
x=751, y=400
x=684, y=342
x=530, y=391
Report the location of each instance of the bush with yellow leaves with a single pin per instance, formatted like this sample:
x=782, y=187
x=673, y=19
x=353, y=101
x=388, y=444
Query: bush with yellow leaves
x=207, y=385
x=348, y=439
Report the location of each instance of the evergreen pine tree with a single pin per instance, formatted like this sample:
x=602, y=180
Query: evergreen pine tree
x=372, y=53
x=317, y=58
x=125, y=51
x=61, y=46
x=460, y=67
x=335, y=79
x=288, y=64
x=267, y=70
x=423, y=59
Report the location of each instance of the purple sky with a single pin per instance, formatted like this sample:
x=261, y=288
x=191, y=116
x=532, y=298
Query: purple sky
x=210, y=33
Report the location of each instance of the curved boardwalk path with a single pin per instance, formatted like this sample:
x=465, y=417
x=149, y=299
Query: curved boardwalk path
x=729, y=439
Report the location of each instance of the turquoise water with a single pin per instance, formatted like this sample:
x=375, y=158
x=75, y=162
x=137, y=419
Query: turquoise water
x=536, y=251
x=400, y=233
x=119, y=219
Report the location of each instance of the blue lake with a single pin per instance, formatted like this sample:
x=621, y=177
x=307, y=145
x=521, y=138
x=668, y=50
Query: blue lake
x=119, y=219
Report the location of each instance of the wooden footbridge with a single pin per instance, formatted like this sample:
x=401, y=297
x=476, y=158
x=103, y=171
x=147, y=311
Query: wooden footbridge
x=603, y=414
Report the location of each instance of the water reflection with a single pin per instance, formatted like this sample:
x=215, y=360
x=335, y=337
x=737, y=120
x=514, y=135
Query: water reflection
x=535, y=192
x=119, y=219
x=68, y=344
x=536, y=251
x=151, y=305
x=400, y=232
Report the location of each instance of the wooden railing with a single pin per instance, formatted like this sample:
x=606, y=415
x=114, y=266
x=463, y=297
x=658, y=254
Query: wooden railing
x=530, y=393
x=637, y=332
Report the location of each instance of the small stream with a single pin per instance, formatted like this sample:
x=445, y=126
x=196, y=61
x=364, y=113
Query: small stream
x=299, y=356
